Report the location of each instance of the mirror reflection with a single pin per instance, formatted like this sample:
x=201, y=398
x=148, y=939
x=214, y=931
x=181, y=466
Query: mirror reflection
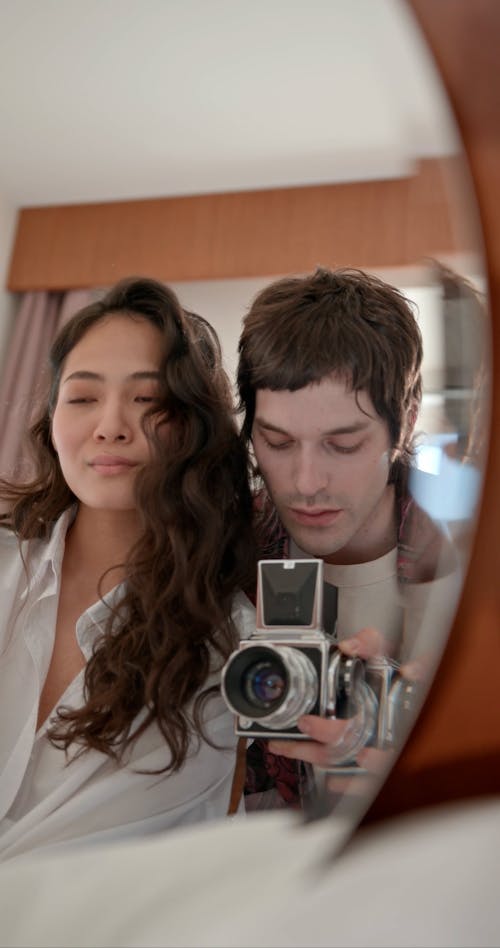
x=330, y=379
x=362, y=388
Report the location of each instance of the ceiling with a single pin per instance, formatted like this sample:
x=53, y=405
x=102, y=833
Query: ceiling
x=115, y=99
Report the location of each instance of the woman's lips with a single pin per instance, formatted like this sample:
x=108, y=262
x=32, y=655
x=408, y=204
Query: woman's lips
x=109, y=465
x=314, y=518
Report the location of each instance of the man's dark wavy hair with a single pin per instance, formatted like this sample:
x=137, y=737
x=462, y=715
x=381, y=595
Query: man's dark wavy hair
x=346, y=322
x=196, y=547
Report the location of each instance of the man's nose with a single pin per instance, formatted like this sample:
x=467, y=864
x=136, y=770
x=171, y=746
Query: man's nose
x=310, y=476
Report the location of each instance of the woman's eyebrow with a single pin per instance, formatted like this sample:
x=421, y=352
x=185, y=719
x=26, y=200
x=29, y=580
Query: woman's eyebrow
x=96, y=376
x=145, y=375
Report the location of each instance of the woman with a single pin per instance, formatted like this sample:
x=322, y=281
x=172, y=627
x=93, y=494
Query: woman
x=122, y=563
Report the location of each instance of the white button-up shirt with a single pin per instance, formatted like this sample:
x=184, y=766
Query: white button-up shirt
x=46, y=801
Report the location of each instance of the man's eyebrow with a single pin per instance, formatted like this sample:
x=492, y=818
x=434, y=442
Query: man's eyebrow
x=355, y=427
x=95, y=376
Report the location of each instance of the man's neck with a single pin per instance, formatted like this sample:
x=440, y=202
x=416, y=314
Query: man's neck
x=377, y=537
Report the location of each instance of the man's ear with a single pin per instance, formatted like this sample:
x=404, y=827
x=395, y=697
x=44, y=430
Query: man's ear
x=407, y=429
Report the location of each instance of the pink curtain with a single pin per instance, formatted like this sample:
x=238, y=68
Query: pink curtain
x=38, y=319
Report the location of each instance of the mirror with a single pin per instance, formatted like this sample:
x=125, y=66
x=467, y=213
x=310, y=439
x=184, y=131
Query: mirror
x=447, y=285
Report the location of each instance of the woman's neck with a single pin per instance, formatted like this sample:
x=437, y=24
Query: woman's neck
x=98, y=540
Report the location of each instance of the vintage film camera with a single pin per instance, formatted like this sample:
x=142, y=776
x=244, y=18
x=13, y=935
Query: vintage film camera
x=290, y=667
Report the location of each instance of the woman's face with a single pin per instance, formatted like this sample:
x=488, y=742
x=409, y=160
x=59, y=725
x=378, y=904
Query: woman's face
x=109, y=379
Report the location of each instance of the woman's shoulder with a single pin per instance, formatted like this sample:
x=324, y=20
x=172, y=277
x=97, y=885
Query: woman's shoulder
x=12, y=561
x=9, y=543
x=14, y=550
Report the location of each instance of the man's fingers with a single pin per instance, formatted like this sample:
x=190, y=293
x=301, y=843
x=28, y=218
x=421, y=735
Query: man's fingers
x=329, y=738
x=367, y=643
x=325, y=730
x=309, y=751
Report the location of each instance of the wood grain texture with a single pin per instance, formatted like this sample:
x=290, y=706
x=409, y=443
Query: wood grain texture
x=372, y=224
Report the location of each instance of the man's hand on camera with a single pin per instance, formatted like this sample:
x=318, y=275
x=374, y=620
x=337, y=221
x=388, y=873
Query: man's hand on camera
x=326, y=735
x=330, y=736
x=367, y=643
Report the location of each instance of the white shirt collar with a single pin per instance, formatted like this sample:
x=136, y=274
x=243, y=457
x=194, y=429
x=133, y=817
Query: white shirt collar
x=44, y=555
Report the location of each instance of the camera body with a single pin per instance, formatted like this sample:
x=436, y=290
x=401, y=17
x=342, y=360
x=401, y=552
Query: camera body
x=290, y=667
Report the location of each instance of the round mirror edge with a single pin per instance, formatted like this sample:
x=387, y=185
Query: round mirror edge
x=424, y=775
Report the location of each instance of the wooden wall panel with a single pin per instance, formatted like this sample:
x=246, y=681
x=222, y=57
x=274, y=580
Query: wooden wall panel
x=372, y=224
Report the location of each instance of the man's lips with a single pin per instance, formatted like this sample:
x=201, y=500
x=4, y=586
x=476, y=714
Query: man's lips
x=315, y=516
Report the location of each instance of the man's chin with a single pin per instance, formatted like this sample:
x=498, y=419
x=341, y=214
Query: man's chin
x=313, y=541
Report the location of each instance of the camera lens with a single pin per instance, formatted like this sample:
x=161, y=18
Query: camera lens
x=272, y=684
x=264, y=683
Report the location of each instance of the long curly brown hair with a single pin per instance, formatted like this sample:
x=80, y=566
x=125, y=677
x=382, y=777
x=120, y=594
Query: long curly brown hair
x=196, y=548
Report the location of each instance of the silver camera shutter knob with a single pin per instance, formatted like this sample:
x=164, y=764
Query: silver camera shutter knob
x=351, y=673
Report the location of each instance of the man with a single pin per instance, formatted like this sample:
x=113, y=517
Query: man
x=330, y=384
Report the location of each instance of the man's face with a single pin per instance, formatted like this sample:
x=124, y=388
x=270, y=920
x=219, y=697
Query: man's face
x=325, y=456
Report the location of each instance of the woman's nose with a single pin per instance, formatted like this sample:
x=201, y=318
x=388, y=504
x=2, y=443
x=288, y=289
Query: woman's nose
x=113, y=424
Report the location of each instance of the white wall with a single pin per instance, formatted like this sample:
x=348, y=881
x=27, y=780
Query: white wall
x=224, y=303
